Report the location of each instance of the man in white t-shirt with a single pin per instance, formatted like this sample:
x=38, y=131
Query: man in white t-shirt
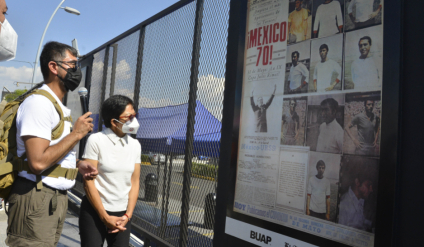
x=328, y=18
x=37, y=213
x=298, y=22
x=365, y=74
x=330, y=137
x=365, y=14
x=298, y=75
x=324, y=70
x=318, y=198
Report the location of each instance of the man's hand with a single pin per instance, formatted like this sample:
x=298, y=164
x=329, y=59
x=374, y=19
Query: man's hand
x=87, y=171
x=374, y=14
x=327, y=216
x=275, y=88
x=83, y=125
x=329, y=88
x=357, y=143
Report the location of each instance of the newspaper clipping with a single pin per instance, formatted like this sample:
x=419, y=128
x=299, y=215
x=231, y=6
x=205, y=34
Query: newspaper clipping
x=308, y=154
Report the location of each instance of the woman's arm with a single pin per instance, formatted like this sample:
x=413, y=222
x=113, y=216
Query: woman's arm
x=112, y=222
x=133, y=194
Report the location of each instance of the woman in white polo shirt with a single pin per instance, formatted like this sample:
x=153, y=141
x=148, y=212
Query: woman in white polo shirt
x=110, y=199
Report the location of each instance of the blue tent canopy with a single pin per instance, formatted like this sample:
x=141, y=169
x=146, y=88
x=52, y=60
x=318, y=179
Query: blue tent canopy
x=163, y=130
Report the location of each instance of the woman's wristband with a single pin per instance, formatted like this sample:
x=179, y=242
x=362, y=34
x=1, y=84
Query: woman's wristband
x=127, y=217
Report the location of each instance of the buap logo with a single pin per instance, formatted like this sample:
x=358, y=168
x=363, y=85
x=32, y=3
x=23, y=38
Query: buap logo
x=260, y=237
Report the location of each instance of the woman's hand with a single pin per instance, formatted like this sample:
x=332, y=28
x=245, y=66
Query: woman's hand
x=114, y=223
x=121, y=222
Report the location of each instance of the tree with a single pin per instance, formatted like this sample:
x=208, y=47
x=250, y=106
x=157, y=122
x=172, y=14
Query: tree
x=15, y=94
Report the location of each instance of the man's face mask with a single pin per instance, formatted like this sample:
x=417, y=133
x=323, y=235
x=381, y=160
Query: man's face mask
x=8, y=41
x=72, y=79
x=130, y=127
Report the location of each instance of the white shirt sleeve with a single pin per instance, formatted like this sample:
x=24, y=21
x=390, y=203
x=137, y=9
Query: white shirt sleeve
x=91, y=151
x=350, y=8
x=35, y=117
x=138, y=153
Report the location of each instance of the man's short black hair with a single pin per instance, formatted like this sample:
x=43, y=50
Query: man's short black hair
x=367, y=38
x=323, y=46
x=366, y=100
x=113, y=107
x=294, y=100
x=54, y=51
x=296, y=52
x=334, y=105
x=320, y=163
x=365, y=174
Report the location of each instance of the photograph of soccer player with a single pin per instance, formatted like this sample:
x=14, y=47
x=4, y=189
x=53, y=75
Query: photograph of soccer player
x=362, y=124
x=326, y=64
x=363, y=59
x=358, y=192
x=299, y=21
x=324, y=131
x=297, y=68
x=322, y=187
x=293, y=121
x=328, y=18
x=363, y=13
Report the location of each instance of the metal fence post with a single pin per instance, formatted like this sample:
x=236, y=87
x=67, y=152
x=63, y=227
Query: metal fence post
x=104, y=82
x=112, y=77
x=139, y=67
x=194, y=78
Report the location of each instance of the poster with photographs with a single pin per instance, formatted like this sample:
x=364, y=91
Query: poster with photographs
x=293, y=122
x=326, y=64
x=327, y=17
x=309, y=140
x=299, y=21
x=297, y=68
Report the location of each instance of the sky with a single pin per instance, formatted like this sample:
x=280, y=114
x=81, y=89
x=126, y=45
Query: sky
x=99, y=22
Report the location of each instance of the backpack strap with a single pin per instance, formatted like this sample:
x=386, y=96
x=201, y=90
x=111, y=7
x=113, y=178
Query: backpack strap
x=58, y=129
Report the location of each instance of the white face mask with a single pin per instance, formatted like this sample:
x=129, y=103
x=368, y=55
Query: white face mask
x=130, y=127
x=8, y=41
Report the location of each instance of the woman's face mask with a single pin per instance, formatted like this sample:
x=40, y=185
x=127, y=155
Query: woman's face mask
x=8, y=41
x=130, y=127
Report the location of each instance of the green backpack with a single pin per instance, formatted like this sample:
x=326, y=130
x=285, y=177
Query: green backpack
x=10, y=163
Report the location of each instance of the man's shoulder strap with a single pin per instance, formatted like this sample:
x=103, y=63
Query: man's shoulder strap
x=58, y=129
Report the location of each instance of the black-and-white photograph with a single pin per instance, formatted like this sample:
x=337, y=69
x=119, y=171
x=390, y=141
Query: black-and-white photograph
x=322, y=188
x=327, y=17
x=299, y=21
x=358, y=192
x=259, y=108
x=324, y=131
x=293, y=121
x=364, y=59
x=298, y=61
x=326, y=64
x=362, y=123
x=363, y=13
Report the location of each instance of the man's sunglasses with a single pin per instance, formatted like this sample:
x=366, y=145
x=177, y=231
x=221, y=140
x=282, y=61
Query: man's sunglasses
x=73, y=65
x=129, y=117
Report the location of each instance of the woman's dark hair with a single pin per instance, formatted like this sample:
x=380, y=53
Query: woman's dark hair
x=113, y=107
x=54, y=51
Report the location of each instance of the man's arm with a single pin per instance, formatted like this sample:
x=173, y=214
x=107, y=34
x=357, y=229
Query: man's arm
x=270, y=99
x=339, y=18
x=349, y=133
x=327, y=201
x=42, y=156
x=336, y=69
x=350, y=10
x=308, y=202
x=376, y=130
x=315, y=78
x=316, y=23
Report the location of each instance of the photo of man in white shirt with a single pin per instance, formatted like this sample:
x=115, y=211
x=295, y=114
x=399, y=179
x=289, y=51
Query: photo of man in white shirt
x=323, y=72
x=364, y=14
x=328, y=19
x=364, y=70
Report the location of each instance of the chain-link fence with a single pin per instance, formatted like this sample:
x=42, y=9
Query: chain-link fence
x=173, y=66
